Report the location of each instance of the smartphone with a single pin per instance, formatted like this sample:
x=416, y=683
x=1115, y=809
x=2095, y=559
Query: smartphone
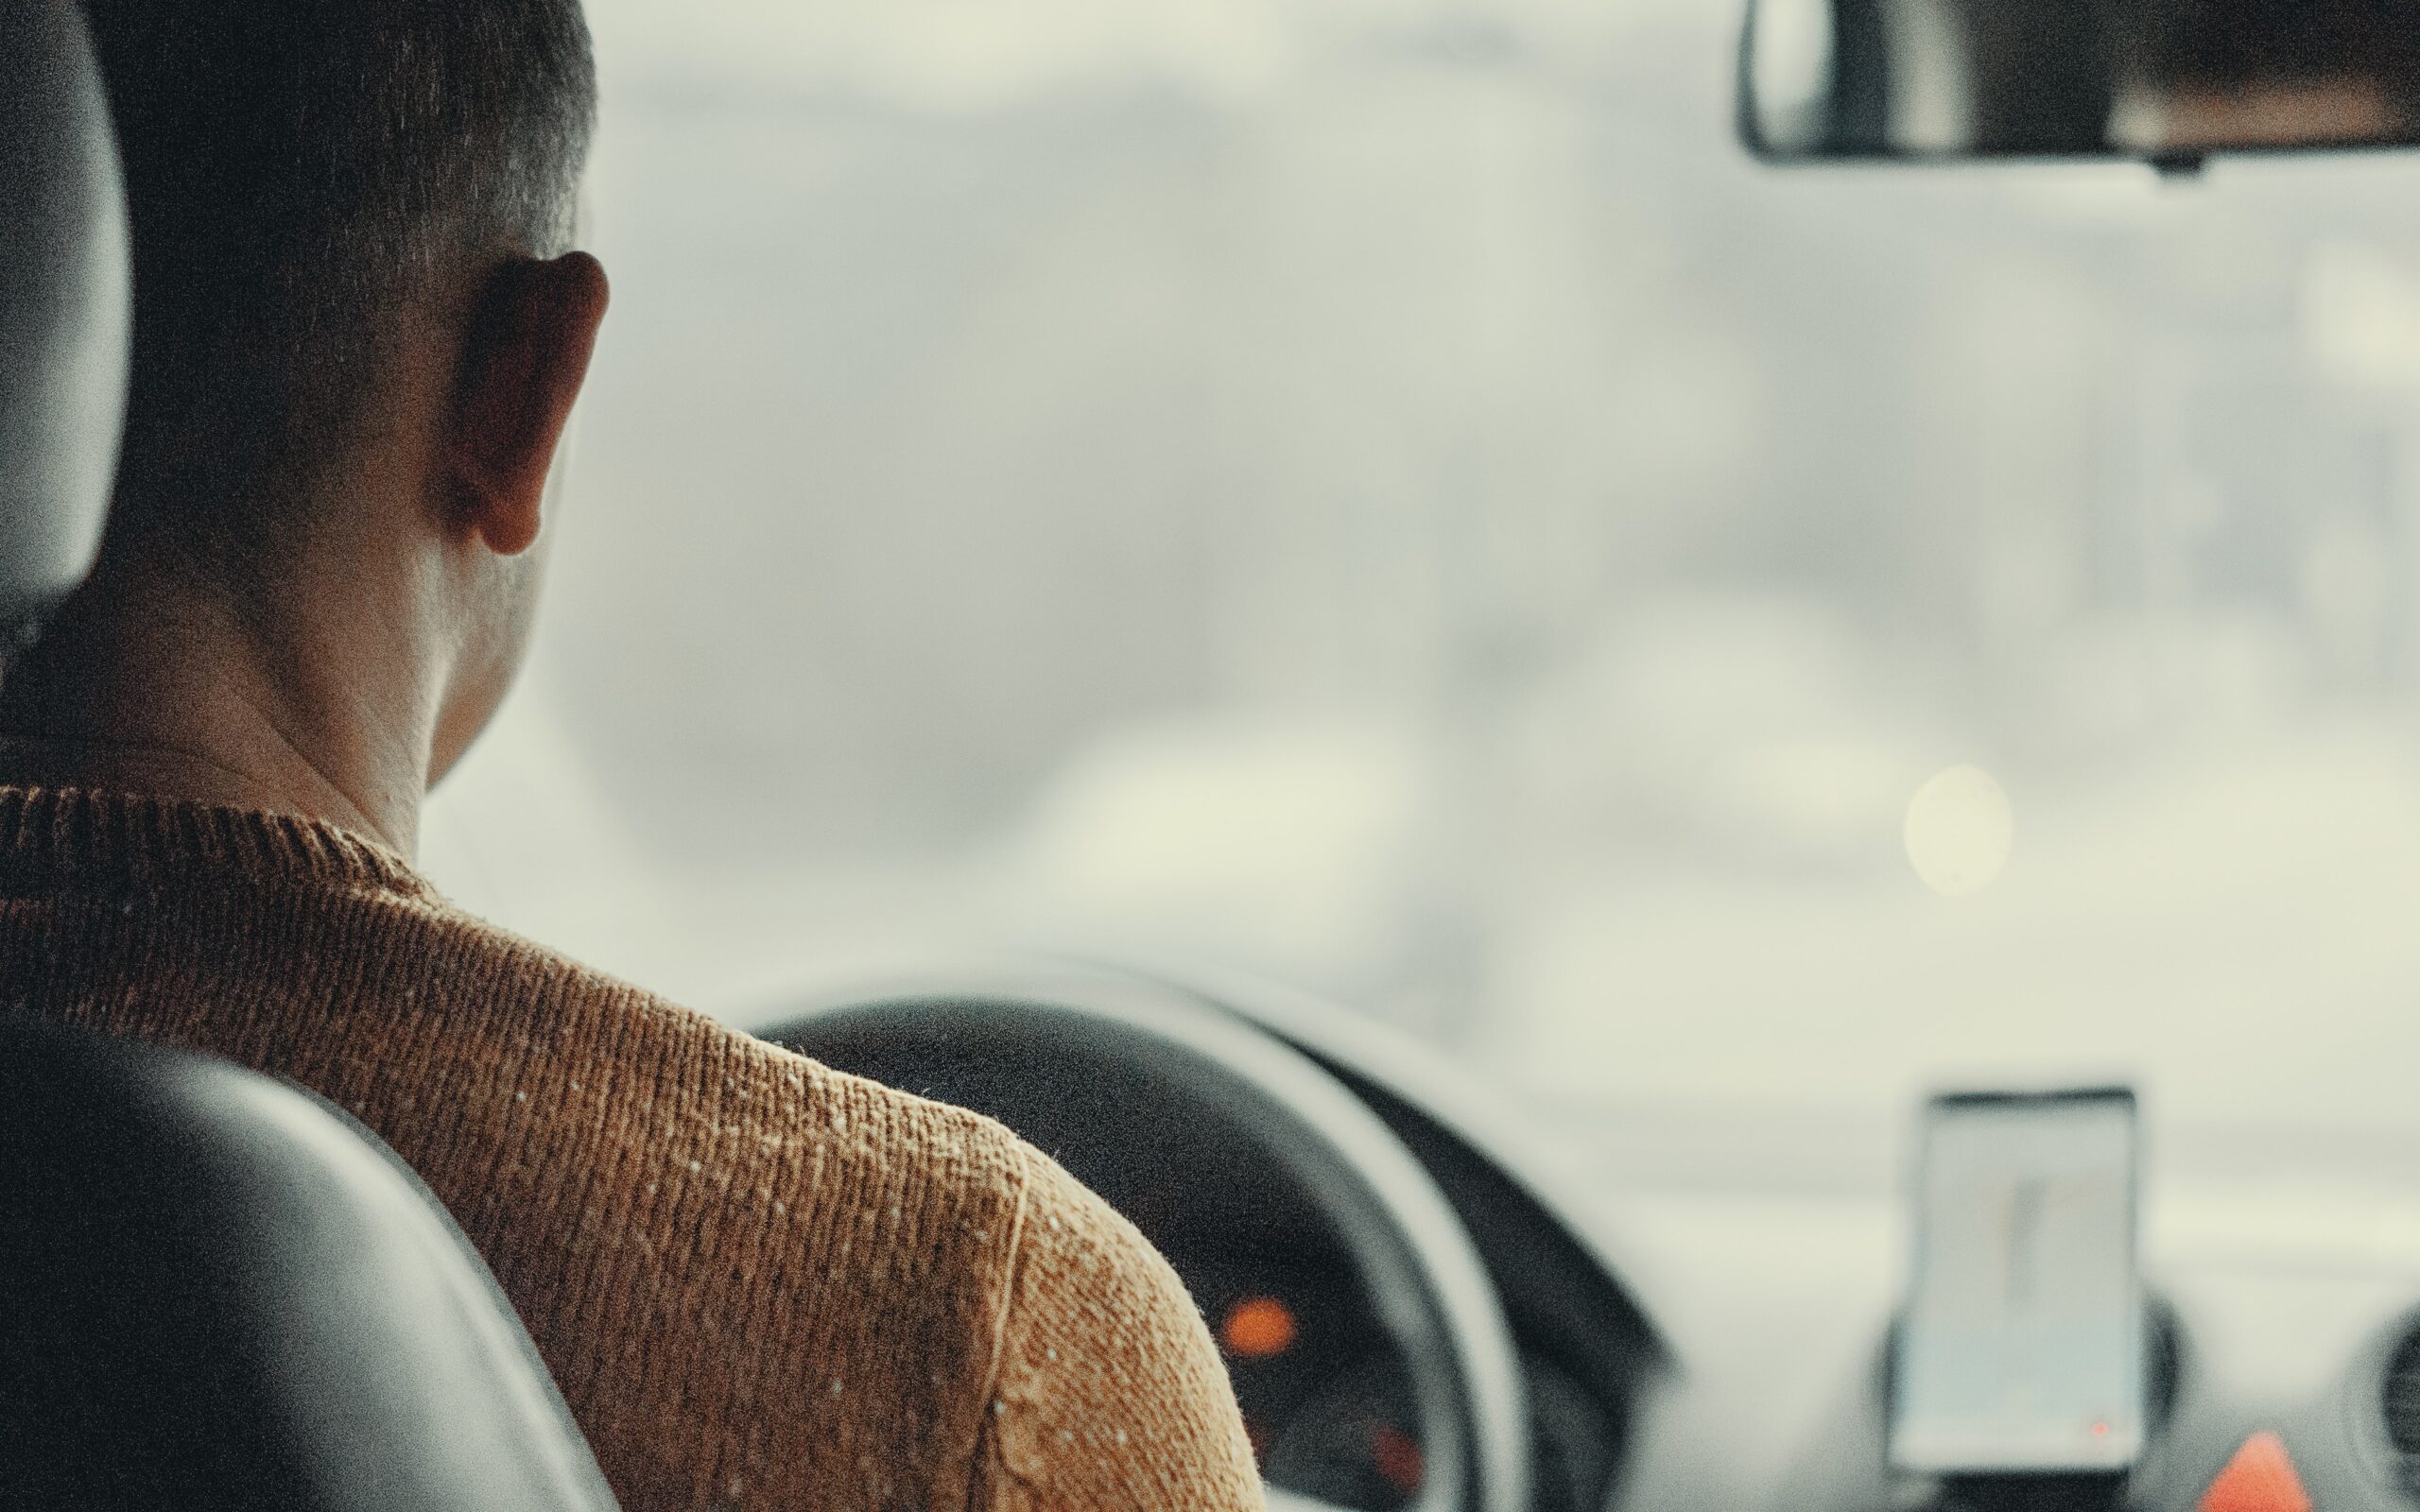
x=2021, y=1348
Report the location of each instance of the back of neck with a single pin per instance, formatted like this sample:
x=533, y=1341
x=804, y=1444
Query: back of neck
x=149, y=681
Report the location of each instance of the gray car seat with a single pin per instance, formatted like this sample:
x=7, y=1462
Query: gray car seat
x=215, y=1291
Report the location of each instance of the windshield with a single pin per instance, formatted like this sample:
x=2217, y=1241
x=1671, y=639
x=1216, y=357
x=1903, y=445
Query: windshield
x=1388, y=497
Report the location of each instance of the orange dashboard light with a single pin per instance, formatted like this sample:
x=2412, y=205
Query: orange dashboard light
x=2260, y=1477
x=1397, y=1456
x=1257, y=1327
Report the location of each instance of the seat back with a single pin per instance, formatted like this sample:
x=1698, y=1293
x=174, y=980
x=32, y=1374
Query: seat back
x=223, y=1294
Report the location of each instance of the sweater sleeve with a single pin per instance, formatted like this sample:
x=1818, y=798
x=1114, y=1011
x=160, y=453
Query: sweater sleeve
x=1108, y=1395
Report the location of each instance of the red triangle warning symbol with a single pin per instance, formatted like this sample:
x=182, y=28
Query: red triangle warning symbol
x=2260, y=1477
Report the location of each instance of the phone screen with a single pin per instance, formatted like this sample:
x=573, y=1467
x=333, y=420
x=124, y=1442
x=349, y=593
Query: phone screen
x=2022, y=1348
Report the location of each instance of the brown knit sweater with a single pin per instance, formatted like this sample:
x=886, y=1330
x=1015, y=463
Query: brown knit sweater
x=760, y=1282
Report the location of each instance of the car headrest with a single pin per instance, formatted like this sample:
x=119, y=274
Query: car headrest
x=65, y=306
x=219, y=1293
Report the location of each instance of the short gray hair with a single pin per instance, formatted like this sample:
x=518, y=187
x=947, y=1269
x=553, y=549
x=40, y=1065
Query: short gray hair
x=297, y=171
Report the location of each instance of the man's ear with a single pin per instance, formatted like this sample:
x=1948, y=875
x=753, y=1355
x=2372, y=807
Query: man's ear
x=530, y=339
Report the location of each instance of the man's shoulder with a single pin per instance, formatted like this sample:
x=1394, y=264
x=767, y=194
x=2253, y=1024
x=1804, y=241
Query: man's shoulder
x=654, y=1083
x=1107, y=1389
x=707, y=1067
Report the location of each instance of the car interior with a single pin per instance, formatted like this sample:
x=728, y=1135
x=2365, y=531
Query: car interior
x=1433, y=1290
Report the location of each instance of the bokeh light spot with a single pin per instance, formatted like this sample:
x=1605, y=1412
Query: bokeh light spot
x=1960, y=830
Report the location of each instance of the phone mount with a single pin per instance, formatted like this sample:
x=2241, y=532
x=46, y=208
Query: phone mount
x=2029, y=1491
x=2088, y=1491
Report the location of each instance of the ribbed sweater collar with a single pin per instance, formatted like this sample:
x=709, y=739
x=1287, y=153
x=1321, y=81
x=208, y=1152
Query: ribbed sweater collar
x=51, y=837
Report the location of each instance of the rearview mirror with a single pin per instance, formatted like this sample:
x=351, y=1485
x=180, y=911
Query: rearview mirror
x=2165, y=81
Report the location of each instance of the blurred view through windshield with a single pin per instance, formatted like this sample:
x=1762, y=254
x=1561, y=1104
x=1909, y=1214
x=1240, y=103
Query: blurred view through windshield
x=1387, y=495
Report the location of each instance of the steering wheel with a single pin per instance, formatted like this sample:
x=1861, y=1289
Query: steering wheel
x=1067, y=1055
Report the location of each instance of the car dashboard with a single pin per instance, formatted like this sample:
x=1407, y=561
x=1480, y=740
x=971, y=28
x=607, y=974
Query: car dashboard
x=1328, y=1403
x=1725, y=1345
x=1750, y=1368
